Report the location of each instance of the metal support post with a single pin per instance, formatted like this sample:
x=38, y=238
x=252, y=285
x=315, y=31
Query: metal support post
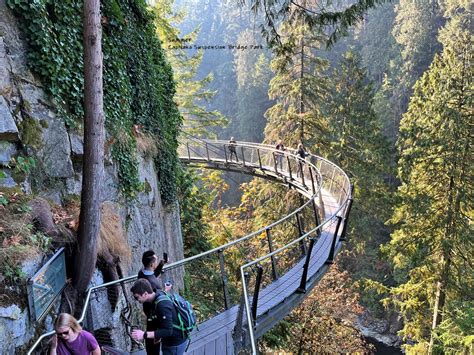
x=256, y=292
x=346, y=219
x=270, y=247
x=289, y=167
x=302, y=172
x=189, y=152
x=207, y=152
x=330, y=258
x=301, y=233
x=224, y=279
x=259, y=158
x=302, y=288
x=316, y=217
x=237, y=333
x=312, y=179
x=225, y=153
x=243, y=156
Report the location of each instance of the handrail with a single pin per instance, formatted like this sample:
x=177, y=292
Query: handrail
x=178, y=263
x=259, y=260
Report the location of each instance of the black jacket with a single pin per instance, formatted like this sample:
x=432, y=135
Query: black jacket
x=161, y=320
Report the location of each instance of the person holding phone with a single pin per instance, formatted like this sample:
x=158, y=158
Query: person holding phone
x=152, y=269
x=70, y=338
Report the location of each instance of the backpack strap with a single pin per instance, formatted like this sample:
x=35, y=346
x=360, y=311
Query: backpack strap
x=163, y=296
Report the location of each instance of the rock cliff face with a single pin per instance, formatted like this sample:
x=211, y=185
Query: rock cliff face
x=27, y=113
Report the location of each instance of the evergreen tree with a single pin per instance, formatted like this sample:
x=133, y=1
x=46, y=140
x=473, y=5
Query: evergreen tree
x=253, y=76
x=299, y=88
x=335, y=18
x=359, y=148
x=191, y=93
x=378, y=46
x=432, y=247
x=415, y=30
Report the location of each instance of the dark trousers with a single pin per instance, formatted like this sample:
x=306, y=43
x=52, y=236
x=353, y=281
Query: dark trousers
x=151, y=347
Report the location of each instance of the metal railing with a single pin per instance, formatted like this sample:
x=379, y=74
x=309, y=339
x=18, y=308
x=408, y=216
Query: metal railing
x=311, y=178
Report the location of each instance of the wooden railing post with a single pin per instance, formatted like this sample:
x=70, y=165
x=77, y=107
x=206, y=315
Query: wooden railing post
x=304, y=276
x=332, y=179
x=270, y=247
x=330, y=258
x=256, y=292
x=224, y=279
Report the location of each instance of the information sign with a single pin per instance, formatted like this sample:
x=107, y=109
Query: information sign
x=45, y=286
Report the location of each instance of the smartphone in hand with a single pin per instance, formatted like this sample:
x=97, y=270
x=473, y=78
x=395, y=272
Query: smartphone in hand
x=165, y=257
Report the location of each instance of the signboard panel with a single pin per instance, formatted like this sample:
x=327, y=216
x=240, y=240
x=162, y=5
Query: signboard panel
x=45, y=286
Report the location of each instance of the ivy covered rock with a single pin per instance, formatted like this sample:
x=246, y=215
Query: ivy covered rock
x=138, y=82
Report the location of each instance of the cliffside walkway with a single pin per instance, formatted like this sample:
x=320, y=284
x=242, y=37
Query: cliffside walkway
x=250, y=290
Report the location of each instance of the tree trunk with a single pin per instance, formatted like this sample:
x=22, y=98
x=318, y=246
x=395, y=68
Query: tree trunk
x=440, y=299
x=301, y=103
x=93, y=165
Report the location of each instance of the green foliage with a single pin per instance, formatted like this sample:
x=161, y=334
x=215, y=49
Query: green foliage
x=10, y=270
x=3, y=200
x=138, y=84
x=19, y=241
x=30, y=131
x=432, y=245
x=253, y=77
x=191, y=93
x=193, y=201
x=278, y=337
x=299, y=89
x=337, y=20
x=375, y=35
x=24, y=164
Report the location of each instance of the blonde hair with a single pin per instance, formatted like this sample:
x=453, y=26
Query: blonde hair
x=66, y=320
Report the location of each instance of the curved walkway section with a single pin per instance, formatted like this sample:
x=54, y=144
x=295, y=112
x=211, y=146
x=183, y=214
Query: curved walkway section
x=329, y=194
x=256, y=289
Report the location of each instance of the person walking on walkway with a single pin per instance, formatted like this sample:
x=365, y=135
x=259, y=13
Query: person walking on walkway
x=162, y=316
x=70, y=338
x=233, y=149
x=279, y=156
x=302, y=154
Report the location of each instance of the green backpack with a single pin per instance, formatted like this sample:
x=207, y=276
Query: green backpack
x=186, y=321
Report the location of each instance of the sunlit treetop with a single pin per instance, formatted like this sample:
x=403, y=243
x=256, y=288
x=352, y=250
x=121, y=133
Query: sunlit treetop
x=335, y=19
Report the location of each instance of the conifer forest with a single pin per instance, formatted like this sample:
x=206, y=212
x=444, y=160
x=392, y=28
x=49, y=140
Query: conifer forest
x=390, y=102
x=383, y=89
